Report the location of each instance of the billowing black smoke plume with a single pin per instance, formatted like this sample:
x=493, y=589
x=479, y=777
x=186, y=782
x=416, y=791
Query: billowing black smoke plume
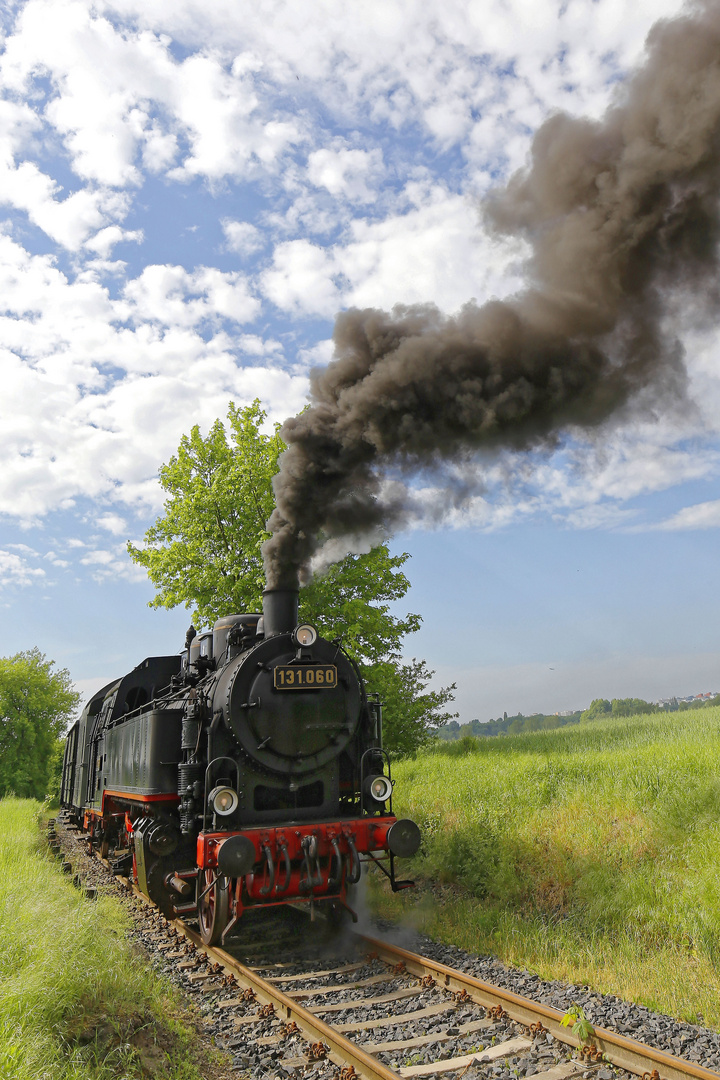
x=623, y=218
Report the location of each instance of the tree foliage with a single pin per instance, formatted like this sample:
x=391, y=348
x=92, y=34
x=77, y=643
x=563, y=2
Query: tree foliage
x=601, y=707
x=36, y=705
x=506, y=725
x=351, y=600
x=204, y=552
x=597, y=709
x=412, y=714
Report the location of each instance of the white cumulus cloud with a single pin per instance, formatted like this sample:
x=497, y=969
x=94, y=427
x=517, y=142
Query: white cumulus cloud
x=242, y=237
x=705, y=515
x=15, y=570
x=347, y=173
x=172, y=296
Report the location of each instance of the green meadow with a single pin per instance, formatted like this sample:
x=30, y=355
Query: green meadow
x=589, y=853
x=75, y=1004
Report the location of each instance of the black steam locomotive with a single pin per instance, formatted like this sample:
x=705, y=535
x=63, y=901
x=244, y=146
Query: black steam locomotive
x=246, y=771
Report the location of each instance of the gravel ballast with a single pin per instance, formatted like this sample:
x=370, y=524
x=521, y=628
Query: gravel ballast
x=266, y=1049
x=676, y=1037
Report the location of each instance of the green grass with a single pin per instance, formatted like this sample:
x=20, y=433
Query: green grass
x=590, y=853
x=75, y=1004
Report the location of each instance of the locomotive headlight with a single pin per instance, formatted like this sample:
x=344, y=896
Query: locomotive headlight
x=224, y=800
x=379, y=788
x=305, y=635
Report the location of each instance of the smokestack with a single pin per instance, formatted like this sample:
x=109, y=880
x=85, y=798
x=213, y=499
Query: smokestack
x=622, y=217
x=280, y=611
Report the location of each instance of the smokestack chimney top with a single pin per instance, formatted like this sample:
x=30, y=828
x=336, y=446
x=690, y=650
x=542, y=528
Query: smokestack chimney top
x=280, y=611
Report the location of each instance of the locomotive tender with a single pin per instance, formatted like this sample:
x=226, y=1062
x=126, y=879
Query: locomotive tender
x=247, y=771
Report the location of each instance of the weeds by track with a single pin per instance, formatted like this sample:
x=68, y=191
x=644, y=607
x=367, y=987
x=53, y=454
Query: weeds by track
x=590, y=853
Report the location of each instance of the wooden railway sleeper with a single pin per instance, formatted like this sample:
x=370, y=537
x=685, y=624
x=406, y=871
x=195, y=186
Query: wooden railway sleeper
x=621, y=1052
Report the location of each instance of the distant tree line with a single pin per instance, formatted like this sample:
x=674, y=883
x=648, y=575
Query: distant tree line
x=599, y=709
x=506, y=725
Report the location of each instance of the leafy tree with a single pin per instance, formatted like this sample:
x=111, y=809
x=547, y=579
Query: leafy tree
x=205, y=549
x=36, y=704
x=56, y=767
x=601, y=708
x=351, y=601
x=204, y=552
x=412, y=714
x=449, y=731
x=681, y=706
x=631, y=706
x=597, y=709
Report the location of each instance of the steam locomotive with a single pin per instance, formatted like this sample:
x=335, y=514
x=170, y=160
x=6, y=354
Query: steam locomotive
x=245, y=772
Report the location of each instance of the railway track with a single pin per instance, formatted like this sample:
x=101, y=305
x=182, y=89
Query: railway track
x=359, y=1007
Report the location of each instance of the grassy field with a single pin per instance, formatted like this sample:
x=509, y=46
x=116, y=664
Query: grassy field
x=75, y=1004
x=589, y=853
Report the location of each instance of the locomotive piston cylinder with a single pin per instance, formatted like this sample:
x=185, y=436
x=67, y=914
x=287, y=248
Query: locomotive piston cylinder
x=184, y=888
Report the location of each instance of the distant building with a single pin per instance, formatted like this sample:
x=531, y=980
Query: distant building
x=672, y=702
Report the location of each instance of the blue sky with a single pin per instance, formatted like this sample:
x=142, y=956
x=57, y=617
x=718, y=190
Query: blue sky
x=189, y=193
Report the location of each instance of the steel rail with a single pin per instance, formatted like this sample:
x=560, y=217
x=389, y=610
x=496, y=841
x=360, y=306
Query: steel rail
x=344, y=1051
x=625, y=1053
x=619, y=1050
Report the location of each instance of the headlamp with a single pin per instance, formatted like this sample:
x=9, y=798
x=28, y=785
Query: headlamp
x=305, y=635
x=378, y=788
x=224, y=800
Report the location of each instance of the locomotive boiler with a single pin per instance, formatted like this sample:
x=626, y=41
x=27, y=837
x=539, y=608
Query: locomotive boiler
x=244, y=772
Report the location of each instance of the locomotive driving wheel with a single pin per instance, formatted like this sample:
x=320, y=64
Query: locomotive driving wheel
x=213, y=905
